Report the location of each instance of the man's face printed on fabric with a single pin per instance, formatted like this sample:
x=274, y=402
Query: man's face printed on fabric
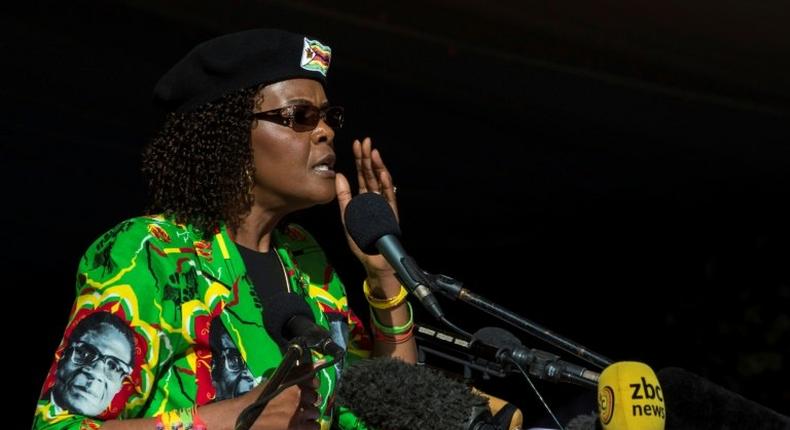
x=92, y=370
x=338, y=329
x=229, y=373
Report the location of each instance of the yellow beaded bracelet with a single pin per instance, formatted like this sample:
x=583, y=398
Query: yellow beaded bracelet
x=384, y=303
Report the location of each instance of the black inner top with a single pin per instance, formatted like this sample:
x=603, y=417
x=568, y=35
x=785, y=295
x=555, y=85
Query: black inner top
x=265, y=271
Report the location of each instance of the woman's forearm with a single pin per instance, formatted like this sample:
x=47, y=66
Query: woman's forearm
x=216, y=416
x=384, y=287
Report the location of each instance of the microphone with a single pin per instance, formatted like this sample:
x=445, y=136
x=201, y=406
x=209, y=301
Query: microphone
x=630, y=398
x=542, y=364
x=493, y=350
x=372, y=225
x=697, y=403
x=389, y=394
x=288, y=317
x=584, y=422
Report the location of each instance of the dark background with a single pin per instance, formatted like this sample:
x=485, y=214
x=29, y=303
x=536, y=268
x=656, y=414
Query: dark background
x=615, y=171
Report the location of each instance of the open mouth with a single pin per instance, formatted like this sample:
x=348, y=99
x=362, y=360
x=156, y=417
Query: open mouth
x=326, y=165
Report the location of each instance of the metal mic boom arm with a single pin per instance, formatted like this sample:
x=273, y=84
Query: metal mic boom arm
x=454, y=289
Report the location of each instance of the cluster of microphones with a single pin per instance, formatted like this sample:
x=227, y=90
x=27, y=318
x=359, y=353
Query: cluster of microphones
x=392, y=395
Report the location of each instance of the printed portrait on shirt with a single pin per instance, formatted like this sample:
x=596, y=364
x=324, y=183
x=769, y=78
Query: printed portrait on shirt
x=229, y=373
x=98, y=358
x=338, y=331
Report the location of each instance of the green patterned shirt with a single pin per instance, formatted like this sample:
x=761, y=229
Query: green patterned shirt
x=164, y=320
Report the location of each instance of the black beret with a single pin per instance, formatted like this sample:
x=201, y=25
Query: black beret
x=240, y=60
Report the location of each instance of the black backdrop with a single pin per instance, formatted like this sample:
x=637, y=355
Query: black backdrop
x=619, y=176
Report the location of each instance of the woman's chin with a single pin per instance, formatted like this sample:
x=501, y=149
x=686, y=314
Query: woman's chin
x=328, y=198
x=326, y=193
x=317, y=197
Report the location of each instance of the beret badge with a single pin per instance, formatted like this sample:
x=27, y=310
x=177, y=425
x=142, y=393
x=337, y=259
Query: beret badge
x=315, y=56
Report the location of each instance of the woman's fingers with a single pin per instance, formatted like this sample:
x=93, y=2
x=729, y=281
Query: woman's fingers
x=365, y=163
x=385, y=179
x=389, y=192
x=308, y=402
x=377, y=163
x=309, y=398
x=357, y=148
x=343, y=191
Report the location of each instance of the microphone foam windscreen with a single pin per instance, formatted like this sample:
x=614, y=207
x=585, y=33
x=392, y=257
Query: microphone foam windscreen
x=368, y=218
x=694, y=402
x=278, y=309
x=584, y=422
x=389, y=394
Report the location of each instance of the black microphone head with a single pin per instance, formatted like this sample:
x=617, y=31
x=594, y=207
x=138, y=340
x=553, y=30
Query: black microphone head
x=278, y=309
x=389, y=394
x=694, y=402
x=497, y=337
x=369, y=218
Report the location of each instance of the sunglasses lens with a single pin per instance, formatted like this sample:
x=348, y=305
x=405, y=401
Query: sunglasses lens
x=334, y=117
x=306, y=117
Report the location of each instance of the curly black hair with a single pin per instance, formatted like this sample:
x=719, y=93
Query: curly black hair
x=199, y=166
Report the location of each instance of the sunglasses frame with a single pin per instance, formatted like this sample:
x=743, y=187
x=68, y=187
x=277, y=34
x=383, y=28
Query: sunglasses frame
x=286, y=116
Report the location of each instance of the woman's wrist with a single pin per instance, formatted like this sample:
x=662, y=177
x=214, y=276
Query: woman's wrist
x=384, y=303
x=383, y=285
x=221, y=415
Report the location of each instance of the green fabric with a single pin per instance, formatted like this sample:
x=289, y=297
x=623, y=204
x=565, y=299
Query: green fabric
x=167, y=285
x=346, y=419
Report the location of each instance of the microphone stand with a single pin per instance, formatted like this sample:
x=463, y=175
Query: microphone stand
x=454, y=290
x=247, y=417
x=298, y=348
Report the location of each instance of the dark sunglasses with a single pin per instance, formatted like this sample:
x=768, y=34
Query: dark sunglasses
x=303, y=117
